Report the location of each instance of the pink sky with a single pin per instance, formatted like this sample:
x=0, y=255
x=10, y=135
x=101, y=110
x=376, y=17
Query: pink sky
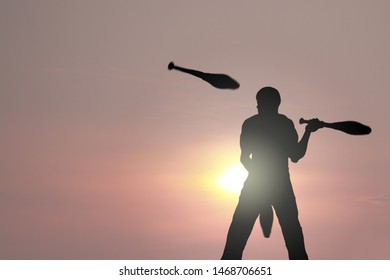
x=108, y=155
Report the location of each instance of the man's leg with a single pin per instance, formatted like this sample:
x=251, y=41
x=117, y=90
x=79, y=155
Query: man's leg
x=241, y=227
x=287, y=213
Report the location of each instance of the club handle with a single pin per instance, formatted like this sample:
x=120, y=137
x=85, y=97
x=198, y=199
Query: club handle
x=321, y=123
x=172, y=65
x=302, y=121
x=193, y=72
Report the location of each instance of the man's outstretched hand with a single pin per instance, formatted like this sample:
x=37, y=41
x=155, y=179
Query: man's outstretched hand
x=314, y=124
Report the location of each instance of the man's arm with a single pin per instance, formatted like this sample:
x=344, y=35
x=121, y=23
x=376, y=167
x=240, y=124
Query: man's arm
x=245, y=157
x=300, y=149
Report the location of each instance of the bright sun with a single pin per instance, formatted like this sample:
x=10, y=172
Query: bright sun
x=233, y=178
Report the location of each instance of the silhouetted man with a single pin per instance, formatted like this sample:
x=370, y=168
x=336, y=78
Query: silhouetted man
x=267, y=140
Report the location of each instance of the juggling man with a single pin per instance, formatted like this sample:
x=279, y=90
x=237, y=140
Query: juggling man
x=267, y=140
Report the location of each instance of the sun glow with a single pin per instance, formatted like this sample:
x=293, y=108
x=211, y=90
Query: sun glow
x=233, y=178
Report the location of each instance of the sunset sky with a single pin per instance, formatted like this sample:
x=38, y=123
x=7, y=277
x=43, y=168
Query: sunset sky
x=105, y=154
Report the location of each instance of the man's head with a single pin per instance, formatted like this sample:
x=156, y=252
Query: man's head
x=268, y=100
